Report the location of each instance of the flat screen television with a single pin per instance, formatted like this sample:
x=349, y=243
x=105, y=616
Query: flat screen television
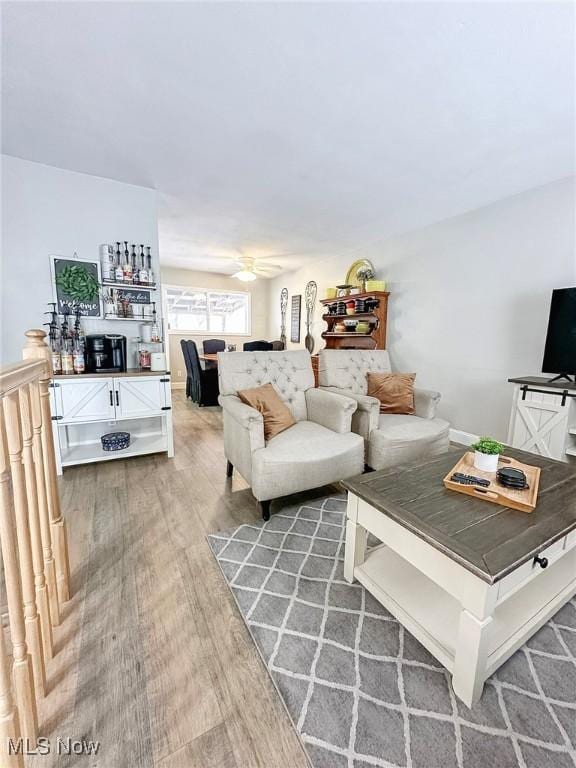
x=560, y=349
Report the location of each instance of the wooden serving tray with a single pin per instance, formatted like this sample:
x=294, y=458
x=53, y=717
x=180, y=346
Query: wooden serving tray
x=523, y=501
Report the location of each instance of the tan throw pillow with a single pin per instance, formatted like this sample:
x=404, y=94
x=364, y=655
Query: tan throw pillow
x=394, y=390
x=277, y=415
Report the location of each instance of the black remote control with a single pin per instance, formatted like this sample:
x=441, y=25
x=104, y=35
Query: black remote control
x=458, y=477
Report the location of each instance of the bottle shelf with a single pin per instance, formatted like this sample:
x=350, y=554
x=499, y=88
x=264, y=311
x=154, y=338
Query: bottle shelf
x=127, y=284
x=131, y=319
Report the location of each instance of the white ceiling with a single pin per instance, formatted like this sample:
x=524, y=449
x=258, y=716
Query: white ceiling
x=294, y=130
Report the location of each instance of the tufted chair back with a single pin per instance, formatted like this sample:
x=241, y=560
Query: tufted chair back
x=290, y=373
x=347, y=368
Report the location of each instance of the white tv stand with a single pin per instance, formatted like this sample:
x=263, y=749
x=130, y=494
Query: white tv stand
x=543, y=418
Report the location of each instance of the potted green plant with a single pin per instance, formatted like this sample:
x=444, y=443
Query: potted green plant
x=486, y=453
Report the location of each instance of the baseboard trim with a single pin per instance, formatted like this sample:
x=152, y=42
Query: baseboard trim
x=464, y=438
x=178, y=385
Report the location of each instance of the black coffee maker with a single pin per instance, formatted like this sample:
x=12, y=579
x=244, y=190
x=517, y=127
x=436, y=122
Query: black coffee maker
x=105, y=353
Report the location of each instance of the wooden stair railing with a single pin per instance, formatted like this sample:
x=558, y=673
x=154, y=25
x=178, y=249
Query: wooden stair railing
x=33, y=542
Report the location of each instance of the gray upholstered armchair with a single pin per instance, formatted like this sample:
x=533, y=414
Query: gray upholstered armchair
x=391, y=438
x=319, y=449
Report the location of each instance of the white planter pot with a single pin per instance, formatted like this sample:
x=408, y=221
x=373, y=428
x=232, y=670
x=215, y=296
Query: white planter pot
x=486, y=461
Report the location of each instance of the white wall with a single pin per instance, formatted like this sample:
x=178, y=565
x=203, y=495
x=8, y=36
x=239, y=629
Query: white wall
x=469, y=299
x=259, y=304
x=48, y=210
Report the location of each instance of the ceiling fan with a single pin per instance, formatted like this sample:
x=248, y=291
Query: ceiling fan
x=252, y=269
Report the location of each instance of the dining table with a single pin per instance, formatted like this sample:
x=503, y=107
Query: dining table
x=209, y=357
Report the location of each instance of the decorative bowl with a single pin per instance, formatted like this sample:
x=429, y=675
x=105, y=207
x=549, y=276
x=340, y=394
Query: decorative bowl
x=115, y=441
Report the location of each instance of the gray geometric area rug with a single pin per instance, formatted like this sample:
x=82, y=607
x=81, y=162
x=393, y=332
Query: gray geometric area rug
x=359, y=688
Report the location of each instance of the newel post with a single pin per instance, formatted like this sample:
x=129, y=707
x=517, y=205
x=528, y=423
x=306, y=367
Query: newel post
x=37, y=349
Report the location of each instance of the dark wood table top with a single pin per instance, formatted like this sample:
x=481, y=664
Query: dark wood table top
x=487, y=539
x=544, y=381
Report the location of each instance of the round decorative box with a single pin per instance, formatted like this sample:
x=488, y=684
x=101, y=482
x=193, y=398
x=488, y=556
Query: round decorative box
x=115, y=441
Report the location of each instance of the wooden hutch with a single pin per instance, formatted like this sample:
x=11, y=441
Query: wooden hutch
x=377, y=317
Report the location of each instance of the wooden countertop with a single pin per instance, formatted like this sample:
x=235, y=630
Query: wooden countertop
x=489, y=540
x=129, y=372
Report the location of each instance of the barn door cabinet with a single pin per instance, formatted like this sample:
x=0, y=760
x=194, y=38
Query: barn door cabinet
x=543, y=418
x=86, y=407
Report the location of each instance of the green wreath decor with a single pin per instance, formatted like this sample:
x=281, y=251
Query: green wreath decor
x=78, y=283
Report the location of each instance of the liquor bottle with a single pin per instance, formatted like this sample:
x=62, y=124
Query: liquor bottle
x=78, y=360
x=127, y=266
x=118, y=271
x=155, y=334
x=66, y=356
x=55, y=357
x=150, y=272
x=54, y=348
x=134, y=265
x=143, y=273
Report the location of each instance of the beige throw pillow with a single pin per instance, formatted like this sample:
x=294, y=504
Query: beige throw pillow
x=265, y=399
x=394, y=390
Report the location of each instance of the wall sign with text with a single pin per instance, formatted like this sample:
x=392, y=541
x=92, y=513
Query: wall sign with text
x=76, y=285
x=295, y=318
x=132, y=295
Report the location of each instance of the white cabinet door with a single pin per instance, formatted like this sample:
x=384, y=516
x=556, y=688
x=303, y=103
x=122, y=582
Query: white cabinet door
x=139, y=396
x=540, y=424
x=80, y=400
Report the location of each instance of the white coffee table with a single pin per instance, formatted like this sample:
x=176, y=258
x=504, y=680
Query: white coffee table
x=470, y=580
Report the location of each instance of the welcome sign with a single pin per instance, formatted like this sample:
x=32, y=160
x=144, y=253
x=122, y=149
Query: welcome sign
x=76, y=285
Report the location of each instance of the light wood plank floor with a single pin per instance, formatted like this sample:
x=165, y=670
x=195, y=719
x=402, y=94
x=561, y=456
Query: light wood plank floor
x=153, y=658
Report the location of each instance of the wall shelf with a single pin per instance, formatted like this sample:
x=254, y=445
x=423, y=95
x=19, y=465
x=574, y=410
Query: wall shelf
x=142, y=286
x=355, y=314
x=132, y=319
x=328, y=334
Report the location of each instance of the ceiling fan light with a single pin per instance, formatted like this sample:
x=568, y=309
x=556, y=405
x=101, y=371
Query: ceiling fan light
x=245, y=275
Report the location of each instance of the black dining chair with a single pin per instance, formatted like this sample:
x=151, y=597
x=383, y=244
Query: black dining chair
x=211, y=346
x=257, y=346
x=189, y=371
x=205, y=388
x=278, y=346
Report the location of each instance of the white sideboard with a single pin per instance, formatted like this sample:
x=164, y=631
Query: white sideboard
x=85, y=407
x=543, y=417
